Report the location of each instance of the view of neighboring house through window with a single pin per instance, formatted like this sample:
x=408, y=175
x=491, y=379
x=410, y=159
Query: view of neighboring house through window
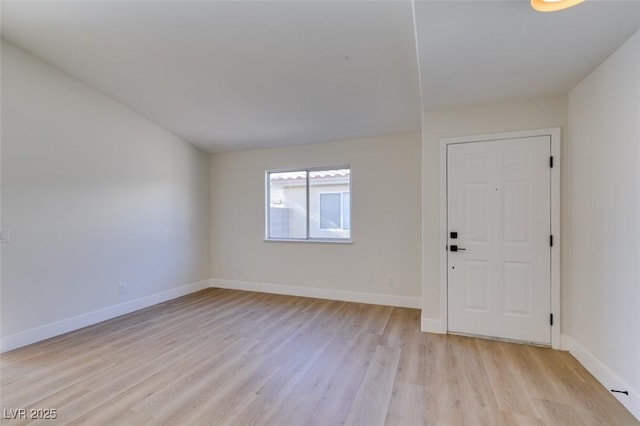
x=308, y=204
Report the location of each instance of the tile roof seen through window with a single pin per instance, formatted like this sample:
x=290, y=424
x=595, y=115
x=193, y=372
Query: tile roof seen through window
x=313, y=174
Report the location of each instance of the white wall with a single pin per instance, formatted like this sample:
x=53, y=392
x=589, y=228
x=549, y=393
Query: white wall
x=93, y=195
x=602, y=284
x=385, y=225
x=465, y=121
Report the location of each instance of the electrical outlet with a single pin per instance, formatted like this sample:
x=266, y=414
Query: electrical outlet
x=4, y=235
x=391, y=282
x=121, y=289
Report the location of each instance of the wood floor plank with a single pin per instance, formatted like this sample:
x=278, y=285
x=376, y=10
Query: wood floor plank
x=510, y=389
x=371, y=403
x=224, y=357
x=323, y=395
x=479, y=402
x=407, y=405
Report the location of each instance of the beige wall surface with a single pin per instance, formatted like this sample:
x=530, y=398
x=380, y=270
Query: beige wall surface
x=93, y=195
x=467, y=121
x=385, y=224
x=602, y=284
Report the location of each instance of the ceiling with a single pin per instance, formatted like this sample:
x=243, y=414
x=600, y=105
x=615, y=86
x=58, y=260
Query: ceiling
x=237, y=75
x=241, y=74
x=473, y=52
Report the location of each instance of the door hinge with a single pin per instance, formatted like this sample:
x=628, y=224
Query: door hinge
x=551, y=319
x=550, y=240
x=551, y=161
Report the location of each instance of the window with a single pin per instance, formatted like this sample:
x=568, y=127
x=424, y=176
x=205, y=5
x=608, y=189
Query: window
x=309, y=204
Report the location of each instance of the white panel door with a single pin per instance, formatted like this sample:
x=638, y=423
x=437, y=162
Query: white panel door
x=499, y=204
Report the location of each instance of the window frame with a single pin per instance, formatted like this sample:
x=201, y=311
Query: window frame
x=309, y=238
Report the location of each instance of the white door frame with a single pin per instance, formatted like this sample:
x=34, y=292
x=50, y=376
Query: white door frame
x=554, y=133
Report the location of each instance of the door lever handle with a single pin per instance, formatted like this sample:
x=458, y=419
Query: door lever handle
x=456, y=248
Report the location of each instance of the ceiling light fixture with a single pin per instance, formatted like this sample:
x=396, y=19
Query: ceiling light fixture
x=553, y=5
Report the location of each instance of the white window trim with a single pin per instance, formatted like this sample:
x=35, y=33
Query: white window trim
x=308, y=239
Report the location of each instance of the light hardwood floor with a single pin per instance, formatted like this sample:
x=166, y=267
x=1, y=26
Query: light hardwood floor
x=230, y=357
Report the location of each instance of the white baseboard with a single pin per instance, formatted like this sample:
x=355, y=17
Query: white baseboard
x=33, y=335
x=604, y=375
x=321, y=293
x=432, y=325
